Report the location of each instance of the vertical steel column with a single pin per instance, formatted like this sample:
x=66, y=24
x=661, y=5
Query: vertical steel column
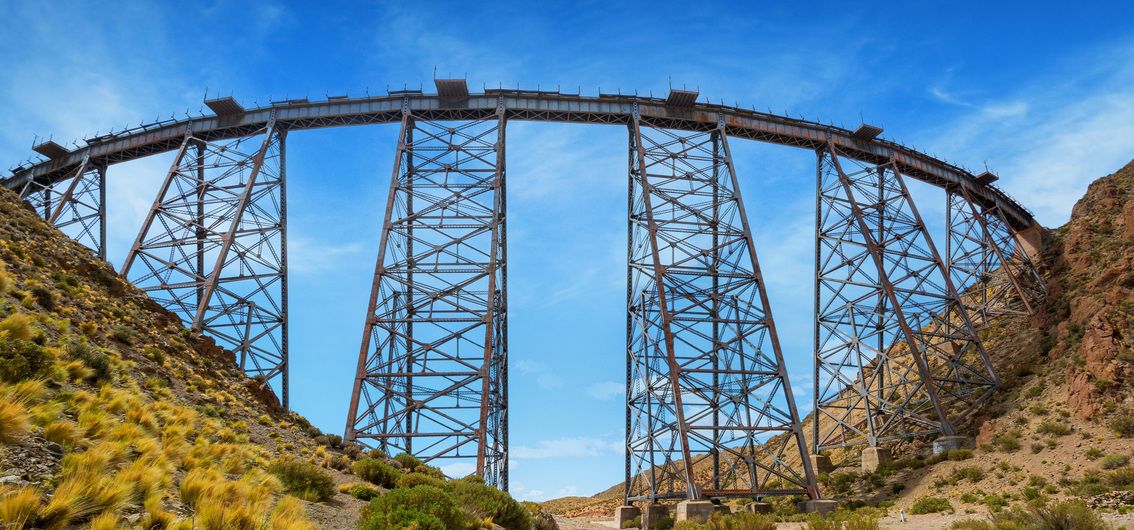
x=992, y=274
x=226, y=206
x=879, y=271
x=432, y=370
x=80, y=210
x=706, y=372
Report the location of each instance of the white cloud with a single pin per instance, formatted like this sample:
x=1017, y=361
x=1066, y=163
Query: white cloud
x=308, y=254
x=605, y=390
x=545, y=379
x=572, y=447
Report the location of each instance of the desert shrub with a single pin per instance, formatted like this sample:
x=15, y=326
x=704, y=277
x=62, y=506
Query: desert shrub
x=635, y=522
x=44, y=297
x=819, y=522
x=931, y=505
x=484, y=501
x=124, y=334
x=1054, y=428
x=94, y=358
x=1123, y=424
x=970, y=473
x=1094, y=453
x=665, y=522
x=334, y=441
x=410, y=480
x=1114, y=461
x=408, y=461
x=1120, y=479
x=1007, y=442
x=13, y=420
x=994, y=502
x=376, y=472
x=855, y=521
x=304, y=480
x=19, y=326
x=18, y=505
x=21, y=359
x=429, y=507
x=1063, y=516
x=363, y=491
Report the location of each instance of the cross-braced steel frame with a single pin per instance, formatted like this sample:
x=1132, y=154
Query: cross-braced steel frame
x=896, y=355
x=989, y=267
x=75, y=205
x=432, y=369
x=706, y=381
x=213, y=248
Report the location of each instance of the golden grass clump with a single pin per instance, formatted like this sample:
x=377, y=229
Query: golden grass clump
x=31, y=391
x=156, y=517
x=106, y=521
x=62, y=432
x=290, y=515
x=18, y=506
x=13, y=421
x=20, y=326
x=83, y=493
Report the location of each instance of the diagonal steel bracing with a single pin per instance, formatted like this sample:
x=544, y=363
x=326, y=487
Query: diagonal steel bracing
x=709, y=411
x=988, y=266
x=896, y=355
x=213, y=248
x=432, y=369
x=76, y=205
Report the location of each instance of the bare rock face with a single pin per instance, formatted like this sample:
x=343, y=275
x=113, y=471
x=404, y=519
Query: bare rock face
x=1096, y=282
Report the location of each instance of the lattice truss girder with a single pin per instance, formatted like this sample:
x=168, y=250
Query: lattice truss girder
x=990, y=269
x=896, y=355
x=433, y=365
x=213, y=248
x=706, y=381
x=76, y=204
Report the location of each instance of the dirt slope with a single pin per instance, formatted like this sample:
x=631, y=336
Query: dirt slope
x=1060, y=426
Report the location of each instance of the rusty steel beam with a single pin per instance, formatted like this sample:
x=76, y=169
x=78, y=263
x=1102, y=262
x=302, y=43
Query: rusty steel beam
x=523, y=105
x=705, y=372
x=223, y=204
x=897, y=355
x=79, y=210
x=432, y=368
x=993, y=274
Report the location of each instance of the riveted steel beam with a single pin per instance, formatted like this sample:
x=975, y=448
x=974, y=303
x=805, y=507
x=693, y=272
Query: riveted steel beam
x=705, y=372
x=212, y=248
x=432, y=370
x=896, y=353
x=75, y=205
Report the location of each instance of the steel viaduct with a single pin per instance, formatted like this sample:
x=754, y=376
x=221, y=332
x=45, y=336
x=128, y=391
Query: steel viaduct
x=709, y=407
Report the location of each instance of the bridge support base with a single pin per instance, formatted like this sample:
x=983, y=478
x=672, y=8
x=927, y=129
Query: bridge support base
x=699, y=511
x=819, y=506
x=949, y=443
x=652, y=513
x=874, y=458
x=822, y=464
x=626, y=513
x=758, y=507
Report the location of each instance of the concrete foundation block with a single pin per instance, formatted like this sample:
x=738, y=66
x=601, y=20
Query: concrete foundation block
x=722, y=509
x=874, y=458
x=821, y=464
x=698, y=511
x=652, y=513
x=625, y=513
x=758, y=507
x=819, y=506
x=949, y=443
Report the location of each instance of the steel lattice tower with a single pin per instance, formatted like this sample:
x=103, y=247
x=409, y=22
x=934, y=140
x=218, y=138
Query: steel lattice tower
x=896, y=355
x=706, y=381
x=80, y=209
x=992, y=273
x=213, y=248
x=432, y=369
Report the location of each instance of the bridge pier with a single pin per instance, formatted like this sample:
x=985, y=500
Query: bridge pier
x=76, y=204
x=213, y=248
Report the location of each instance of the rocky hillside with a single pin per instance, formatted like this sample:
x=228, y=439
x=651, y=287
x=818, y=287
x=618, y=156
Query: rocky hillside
x=113, y=415
x=1061, y=424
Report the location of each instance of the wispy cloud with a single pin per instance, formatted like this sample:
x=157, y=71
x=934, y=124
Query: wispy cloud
x=606, y=390
x=545, y=379
x=571, y=447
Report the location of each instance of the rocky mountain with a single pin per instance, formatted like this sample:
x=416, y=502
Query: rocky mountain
x=1062, y=422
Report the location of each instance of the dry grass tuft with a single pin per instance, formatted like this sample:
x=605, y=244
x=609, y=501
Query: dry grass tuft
x=13, y=421
x=18, y=506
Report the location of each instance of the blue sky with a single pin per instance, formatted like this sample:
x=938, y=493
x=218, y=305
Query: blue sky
x=1041, y=93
